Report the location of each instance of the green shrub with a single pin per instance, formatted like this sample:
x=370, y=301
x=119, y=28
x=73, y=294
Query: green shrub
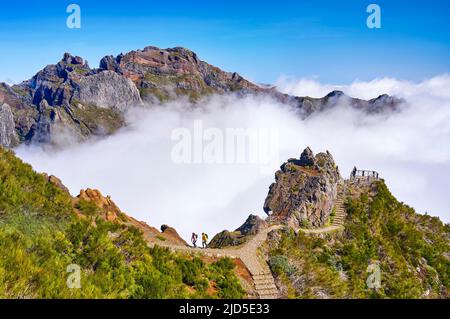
x=279, y=264
x=40, y=236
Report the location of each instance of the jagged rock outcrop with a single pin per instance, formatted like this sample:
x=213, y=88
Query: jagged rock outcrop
x=167, y=73
x=8, y=135
x=107, y=89
x=171, y=234
x=304, y=191
x=109, y=211
x=107, y=208
x=52, y=179
x=71, y=99
x=251, y=227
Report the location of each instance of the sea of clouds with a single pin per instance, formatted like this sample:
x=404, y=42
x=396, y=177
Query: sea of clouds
x=410, y=149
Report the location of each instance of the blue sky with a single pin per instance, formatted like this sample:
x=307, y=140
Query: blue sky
x=328, y=40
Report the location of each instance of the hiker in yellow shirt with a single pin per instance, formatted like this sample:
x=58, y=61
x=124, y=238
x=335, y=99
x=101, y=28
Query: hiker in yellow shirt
x=204, y=240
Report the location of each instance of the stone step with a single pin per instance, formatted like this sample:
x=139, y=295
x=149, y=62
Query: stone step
x=272, y=291
x=265, y=287
x=269, y=297
x=263, y=281
x=263, y=275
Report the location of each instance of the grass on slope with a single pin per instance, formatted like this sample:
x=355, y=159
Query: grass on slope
x=411, y=250
x=40, y=236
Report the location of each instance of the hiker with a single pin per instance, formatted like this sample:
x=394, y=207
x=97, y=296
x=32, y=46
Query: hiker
x=354, y=172
x=194, y=239
x=204, y=240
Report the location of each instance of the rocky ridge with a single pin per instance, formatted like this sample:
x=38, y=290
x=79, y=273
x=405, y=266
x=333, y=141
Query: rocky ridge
x=71, y=97
x=106, y=209
x=251, y=227
x=304, y=191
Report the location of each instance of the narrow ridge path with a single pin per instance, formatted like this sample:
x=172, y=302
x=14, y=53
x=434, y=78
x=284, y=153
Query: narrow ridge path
x=248, y=252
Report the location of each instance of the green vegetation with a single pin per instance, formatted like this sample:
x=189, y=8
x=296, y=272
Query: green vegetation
x=169, y=86
x=98, y=119
x=20, y=90
x=332, y=216
x=41, y=236
x=280, y=265
x=160, y=94
x=411, y=250
x=78, y=69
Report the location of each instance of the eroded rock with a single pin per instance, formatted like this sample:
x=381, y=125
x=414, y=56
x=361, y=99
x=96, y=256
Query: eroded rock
x=304, y=191
x=8, y=135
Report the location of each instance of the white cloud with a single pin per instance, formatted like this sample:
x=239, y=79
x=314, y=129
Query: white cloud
x=411, y=150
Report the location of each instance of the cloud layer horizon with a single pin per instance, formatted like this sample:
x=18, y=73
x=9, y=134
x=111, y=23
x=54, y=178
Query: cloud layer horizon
x=410, y=149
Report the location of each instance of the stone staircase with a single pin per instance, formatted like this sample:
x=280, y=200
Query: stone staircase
x=265, y=285
x=340, y=213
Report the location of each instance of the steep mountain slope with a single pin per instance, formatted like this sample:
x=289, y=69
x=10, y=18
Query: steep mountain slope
x=411, y=251
x=304, y=190
x=43, y=231
x=328, y=237
x=71, y=99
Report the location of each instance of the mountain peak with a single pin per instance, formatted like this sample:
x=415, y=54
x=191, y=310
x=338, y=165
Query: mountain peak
x=304, y=190
x=337, y=93
x=150, y=74
x=70, y=59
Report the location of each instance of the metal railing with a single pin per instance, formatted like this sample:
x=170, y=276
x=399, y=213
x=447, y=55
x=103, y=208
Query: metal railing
x=360, y=173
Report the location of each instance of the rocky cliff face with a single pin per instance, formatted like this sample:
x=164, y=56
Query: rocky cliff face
x=410, y=249
x=304, y=190
x=107, y=90
x=251, y=227
x=168, y=73
x=71, y=99
x=109, y=211
x=8, y=135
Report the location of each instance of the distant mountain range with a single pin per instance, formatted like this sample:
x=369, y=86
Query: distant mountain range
x=70, y=96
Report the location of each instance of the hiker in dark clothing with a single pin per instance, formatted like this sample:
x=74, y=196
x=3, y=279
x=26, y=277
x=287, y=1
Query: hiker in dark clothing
x=354, y=172
x=194, y=239
x=204, y=240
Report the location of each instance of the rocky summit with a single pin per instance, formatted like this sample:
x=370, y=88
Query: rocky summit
x=71, y=97
x=304, y=191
